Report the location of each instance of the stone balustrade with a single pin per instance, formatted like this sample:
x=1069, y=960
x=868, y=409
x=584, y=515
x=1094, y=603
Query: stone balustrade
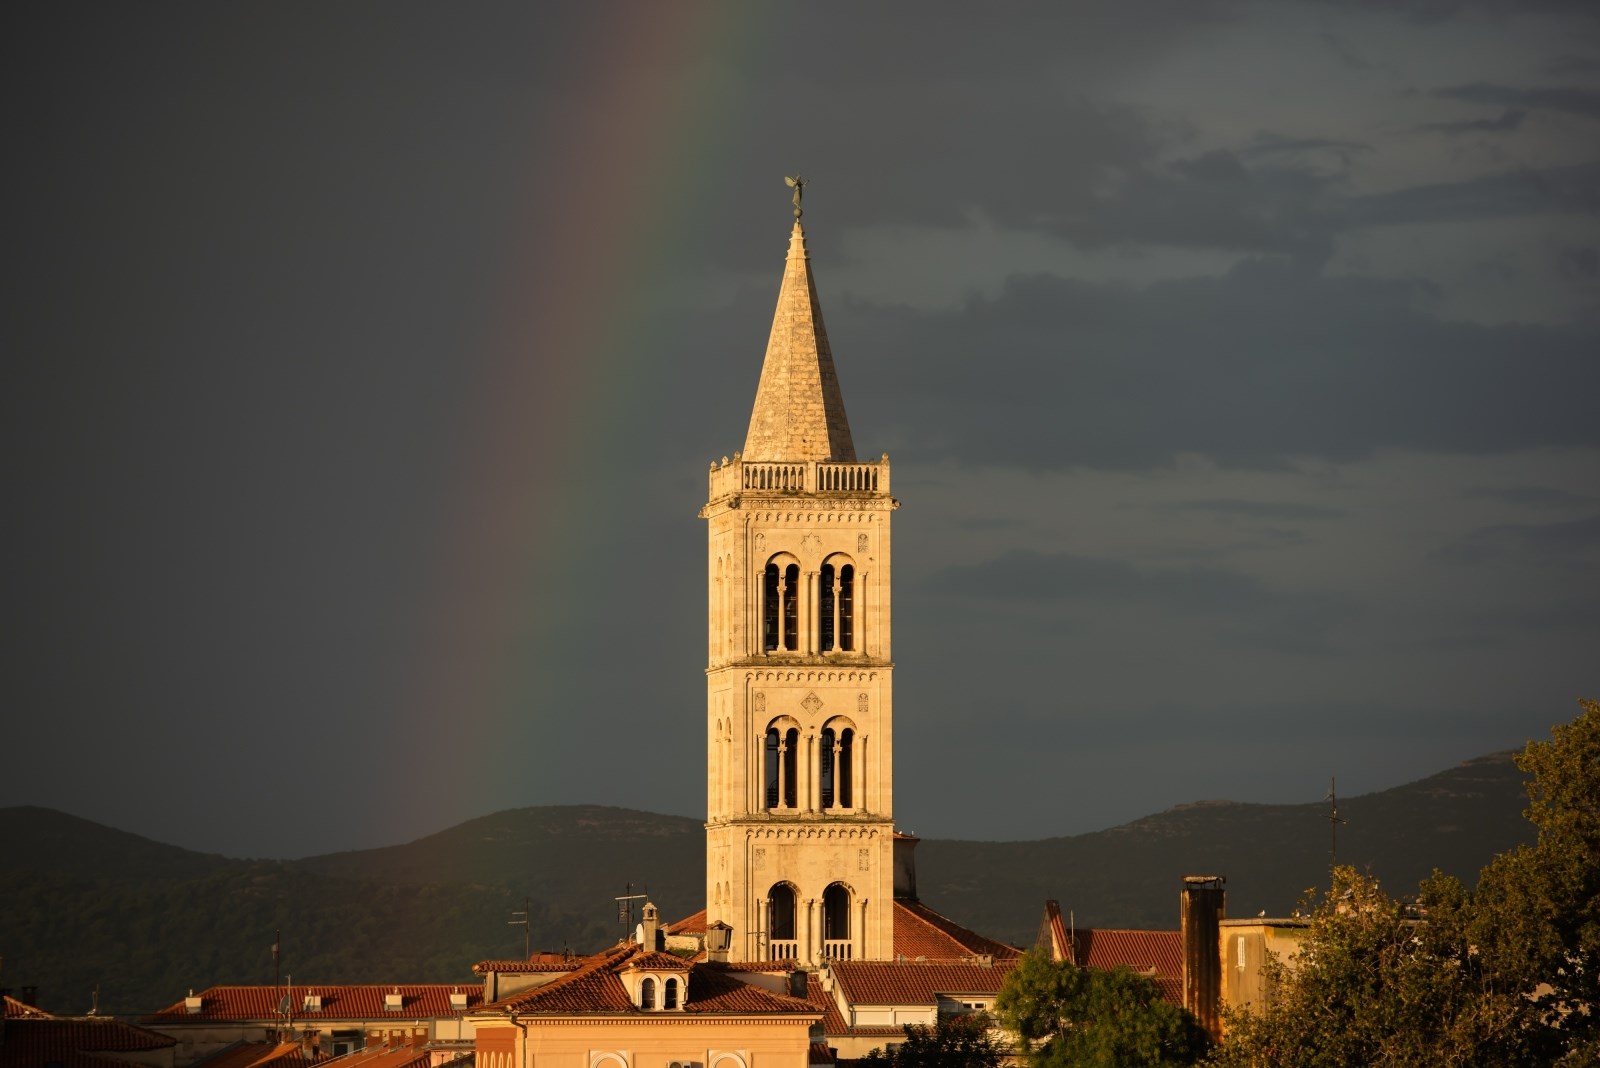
x=735, y=477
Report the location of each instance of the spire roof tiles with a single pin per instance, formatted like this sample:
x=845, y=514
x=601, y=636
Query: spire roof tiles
x=799, y=410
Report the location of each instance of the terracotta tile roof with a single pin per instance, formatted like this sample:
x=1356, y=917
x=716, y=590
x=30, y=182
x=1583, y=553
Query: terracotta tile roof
x=656, y=961
x=31, y=1041
x=385, y=1057
x=921, y=932
x=873, y=982
x=539, y=962
x=263, y=1055
x=695, y=924
x=833, y=1021
x=16, y=1010
x=1157, y=952
x=596, y=987
x=821, y=1054
x=365, y=1002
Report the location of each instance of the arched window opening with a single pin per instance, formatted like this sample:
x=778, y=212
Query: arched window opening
x=782, y=761
x=826, y=765
x=826, y=603
x=847, y=608
x=647, y=994
x=669, y=995
x=769, y=609
x=836, y=922
x=781, y=944
x=844, y=769
x=791, y=607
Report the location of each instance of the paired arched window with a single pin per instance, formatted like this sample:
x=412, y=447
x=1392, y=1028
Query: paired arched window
x=836, y=767
x=824, y=602
x=781, y=768
x=781, y=608
x=836, y=602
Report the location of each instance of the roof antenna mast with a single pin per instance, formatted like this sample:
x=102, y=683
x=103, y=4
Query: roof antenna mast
x=1334, y=819
x=527, y=928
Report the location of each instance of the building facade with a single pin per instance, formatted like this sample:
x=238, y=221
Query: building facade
x=799, y=695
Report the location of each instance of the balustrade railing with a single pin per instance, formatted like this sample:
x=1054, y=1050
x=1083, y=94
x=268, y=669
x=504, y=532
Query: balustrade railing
x=783, y=949
x=836, y=948
x=738, y=476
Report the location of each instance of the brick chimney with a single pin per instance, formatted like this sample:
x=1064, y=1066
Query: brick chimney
x=1204, y=902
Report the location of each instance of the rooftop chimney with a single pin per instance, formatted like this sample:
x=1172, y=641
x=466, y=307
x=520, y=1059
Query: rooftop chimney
x=650, y=927
x=1204, y=902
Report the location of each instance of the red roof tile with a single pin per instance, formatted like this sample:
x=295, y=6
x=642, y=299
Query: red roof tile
x=365, y=1002
x=921, y=932
x=596, y=987
x=695, y=924
x=871, y=982
x=15, y=1009
x=1158, y=954
x=833, y=1021
x=32, y=1041
x=263, y=1055
x=539, y=962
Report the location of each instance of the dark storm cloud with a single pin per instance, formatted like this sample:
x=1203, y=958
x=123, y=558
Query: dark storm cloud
x=1559, y=544
x=1245, y=610
x=1531, y=496
x=1259, y=509
x=1571, y=99
x=1528, y=192
x=1507, y=122
x=1265, y=363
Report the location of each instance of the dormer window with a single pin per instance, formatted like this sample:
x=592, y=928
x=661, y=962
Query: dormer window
x=669, y=996
x=647, y=994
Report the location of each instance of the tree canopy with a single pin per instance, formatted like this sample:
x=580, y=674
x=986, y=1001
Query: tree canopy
x=963, y=1041
x=1064, y=1015
x=1506, y=975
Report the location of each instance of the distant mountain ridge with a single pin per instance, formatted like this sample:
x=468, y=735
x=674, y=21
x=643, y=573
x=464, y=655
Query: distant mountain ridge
x=91, y=906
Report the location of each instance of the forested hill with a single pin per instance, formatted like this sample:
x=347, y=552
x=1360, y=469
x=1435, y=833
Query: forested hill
x=87, y=906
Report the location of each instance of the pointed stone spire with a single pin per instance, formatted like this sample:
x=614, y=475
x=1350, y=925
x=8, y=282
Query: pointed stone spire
x=799, y=411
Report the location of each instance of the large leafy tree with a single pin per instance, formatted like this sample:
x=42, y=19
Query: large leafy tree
x=950, y=1042
x=1065, y=1016
x=1537, y=908
x=1508, y=975
x=1374, y=984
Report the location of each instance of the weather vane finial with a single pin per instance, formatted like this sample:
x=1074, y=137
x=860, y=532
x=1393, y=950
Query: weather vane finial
x=798, y=184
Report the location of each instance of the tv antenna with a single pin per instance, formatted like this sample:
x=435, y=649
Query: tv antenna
x=625, y=907
x=1334, y=819
x=527, y=928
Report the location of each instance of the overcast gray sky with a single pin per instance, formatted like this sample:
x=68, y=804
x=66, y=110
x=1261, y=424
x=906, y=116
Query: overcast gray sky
x=1238, y=363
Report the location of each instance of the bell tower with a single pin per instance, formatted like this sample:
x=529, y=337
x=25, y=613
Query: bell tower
x=799, y=701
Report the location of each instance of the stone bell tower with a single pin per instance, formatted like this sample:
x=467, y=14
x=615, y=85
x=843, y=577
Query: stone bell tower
x=799, y=701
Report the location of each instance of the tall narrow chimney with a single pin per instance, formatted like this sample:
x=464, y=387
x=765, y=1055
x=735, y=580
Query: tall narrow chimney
x=1204, y=902
x=905, y=866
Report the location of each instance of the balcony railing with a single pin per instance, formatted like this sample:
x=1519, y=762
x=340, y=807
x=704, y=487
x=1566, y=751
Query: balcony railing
x=836, y=948
x=783, y=949
x=737, y=476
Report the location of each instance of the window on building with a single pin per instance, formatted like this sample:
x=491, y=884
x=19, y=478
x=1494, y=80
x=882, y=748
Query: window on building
x=780, y=608
x=836, y=913
x=647, y=994
x=669, y=994
x=847, y=608
x=781, y=909
x=781, y=765
x=826, y=765
x=844, y=769
x=827, y=601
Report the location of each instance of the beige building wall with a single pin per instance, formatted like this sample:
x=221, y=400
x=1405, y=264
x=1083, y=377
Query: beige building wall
x=1244, y=947
x=653, y=1042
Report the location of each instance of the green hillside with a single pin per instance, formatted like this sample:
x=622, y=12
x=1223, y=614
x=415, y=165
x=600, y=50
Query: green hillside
x=90, y=906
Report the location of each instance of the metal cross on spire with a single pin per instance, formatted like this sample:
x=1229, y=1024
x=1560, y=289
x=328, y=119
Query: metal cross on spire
x=798, y=184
